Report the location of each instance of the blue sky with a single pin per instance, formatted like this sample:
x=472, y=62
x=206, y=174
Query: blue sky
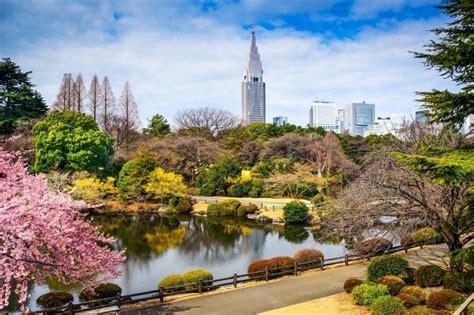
x=180, y=54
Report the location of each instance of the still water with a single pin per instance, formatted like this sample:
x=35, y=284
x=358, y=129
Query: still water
x=159, y=245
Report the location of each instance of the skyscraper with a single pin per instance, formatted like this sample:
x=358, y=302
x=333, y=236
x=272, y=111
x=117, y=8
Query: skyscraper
x=253, y=88
x=357, y=117
x=280, y=120
x=323, y=114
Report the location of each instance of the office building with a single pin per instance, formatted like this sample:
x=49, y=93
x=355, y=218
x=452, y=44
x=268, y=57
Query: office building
x=280, y=120
x=358, y=117
x=323, y=114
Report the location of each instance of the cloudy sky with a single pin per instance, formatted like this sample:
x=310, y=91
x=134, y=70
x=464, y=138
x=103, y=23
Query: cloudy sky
x=180, y=54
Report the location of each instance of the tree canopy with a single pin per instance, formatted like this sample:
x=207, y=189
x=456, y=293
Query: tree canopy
x=18, y=100
x=158, y=126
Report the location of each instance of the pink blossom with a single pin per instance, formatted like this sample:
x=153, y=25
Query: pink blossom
x=43, y=234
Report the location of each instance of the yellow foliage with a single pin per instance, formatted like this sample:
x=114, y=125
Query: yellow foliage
x=162, y=239
x=92, y=189
x=246, y=175
x=161, y=183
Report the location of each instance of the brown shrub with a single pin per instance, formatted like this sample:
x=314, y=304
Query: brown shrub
x=372, y=246
x=276, y=264
x=416, y=292
x=445, y=299
x=394, y=283
x=306, y=255
x=351, y=283
x=408, y=300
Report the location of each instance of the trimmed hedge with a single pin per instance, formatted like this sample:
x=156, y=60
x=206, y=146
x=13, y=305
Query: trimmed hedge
x=351, y=283
x=192, y=277
x=385, y=266
x=227, y=207
x=54, y=299
x=246, y=209
x=305, y=255
x=367, y=293
x=295, y=212
x=172, y=280
x=276, y=263
x=429, y=276
x=427, y=236
x=372, y=246
x=184, y=205
x=100, y=291
x=417, y=293
x=445, y=299
x=408, y=300
x=421, y=310
x=459, y=281
x=387, y=305
x=393, y=283
x=408, y=275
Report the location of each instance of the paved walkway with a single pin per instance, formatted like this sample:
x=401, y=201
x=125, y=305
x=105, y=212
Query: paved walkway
x=277, y=294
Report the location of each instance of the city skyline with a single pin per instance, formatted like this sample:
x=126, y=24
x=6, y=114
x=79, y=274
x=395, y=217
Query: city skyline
x=190, y=54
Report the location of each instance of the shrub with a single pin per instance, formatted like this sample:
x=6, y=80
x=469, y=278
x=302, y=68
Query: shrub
x=295, y=212
x=275, y=263
x=372, y=246
x=281, y=262
x=351, y=283
x=305, y=255
x=92, y=190
x=427, y=235
x=387, y=305
x=420, y=310
x=415, y=292
x=184, y=205
x=214, y=209
x=257, y=188
x=408, y=275
x=192, y=277
x=134, y=176
x=246, y=209
x=173, y=202
x=429, y=276
x=394, y=283
x=408, y=300
x=173, y=280
x=459, y=281
x=54, y=299
x=366, y=293
x=385, y=266
x=257, y=266
x=444, y=299
x=100, y=291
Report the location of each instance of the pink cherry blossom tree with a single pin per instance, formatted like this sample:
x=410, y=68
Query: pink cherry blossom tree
x=43, y=234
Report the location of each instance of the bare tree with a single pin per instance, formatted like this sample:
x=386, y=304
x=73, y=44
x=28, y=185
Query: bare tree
x=95, y=97
x=79, y=94
x=205, y=122
x=64, y=99
x=129, y=113
x=107, y=102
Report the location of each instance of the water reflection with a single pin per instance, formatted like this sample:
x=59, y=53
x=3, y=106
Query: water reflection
x=159, y=245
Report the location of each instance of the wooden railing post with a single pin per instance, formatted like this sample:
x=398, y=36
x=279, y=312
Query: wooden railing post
x=296, y=269
x=70, y=308
x=235, y=280
x=118, y=299
x=273, y=206
x=200, y=286
x=321, y=262
x=266, y=274
x=161, y=294
x=346, y=259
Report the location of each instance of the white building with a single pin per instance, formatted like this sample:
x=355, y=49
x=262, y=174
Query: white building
x=323, y=114
x=340, y=121
x=384, y=126
x=358, y=117
x=253, y=88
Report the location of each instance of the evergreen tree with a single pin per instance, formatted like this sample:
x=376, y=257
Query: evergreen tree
x=158, y=126
x=18, y=100
x=452, y=54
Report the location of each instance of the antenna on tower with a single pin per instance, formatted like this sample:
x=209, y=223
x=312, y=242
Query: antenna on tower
x=253, y=26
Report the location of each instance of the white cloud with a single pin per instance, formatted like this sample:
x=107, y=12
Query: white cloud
x=201, y=63
x=370, y=8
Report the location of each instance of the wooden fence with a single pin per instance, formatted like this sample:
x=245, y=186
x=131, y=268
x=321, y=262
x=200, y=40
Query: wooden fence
x=207, y=285
x=259, y=205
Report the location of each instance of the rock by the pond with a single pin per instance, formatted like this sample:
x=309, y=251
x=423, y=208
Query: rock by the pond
x=278, y=220
x=264, y=219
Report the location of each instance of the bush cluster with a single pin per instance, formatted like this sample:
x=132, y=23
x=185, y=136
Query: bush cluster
x=305, y=255
x=172, y=280
x=445, y=299
x=418, y=294
x=372, y=246
x=429, y=276
x=459, y=281
x=100, y=291
x=227, y=207
x=191, y=278
x=427, y=236
x=351, y=283
x=295, y=212
x=408, y=300
x=243, y=210
x=393, y=283
x=421, y=310
x=275, y=264
x=180, y=205
x=385, y=266
x=367, y=293
x=387, y=305
x=54, y=299
x=92, y=190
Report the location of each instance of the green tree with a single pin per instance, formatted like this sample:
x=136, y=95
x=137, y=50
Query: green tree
x=158, y=126
x=216, y=179
x=70, y=141
x=452, y=54
x=18, y=100
x=134, y=176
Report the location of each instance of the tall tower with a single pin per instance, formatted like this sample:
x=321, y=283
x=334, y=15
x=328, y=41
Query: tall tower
x=253, y=87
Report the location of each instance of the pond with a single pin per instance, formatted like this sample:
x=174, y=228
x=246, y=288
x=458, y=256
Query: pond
x=159, y=245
